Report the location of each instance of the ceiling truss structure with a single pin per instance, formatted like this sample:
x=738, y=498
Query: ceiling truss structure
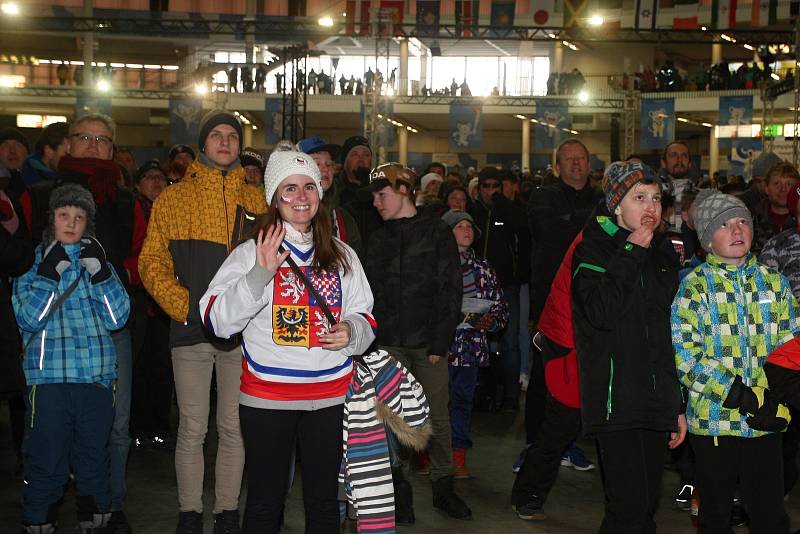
x=301, y=29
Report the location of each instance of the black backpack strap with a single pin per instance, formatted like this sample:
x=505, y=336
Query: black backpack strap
x=56, y=305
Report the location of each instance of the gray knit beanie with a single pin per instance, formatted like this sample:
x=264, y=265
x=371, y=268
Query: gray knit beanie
x=70, y=194
x=763, y=163
x=715, y=209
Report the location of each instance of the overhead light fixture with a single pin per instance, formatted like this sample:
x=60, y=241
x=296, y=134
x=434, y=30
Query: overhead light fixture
x=707, y=125
x=703, y=28
x=583, y=96
x=574, y=132
x=683, y=119
x=10, y=8
x=775, y=76
x=573, y=47
x=521, y=117
x=326, y=22
x=201, y=88
x=255, y=127
x=534, y=121
x=104, y=86
x=727, y=37
x=748, y=46
x=596, y=20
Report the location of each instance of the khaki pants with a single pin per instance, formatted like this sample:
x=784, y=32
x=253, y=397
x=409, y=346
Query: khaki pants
x=434, y=381
x=192, y=367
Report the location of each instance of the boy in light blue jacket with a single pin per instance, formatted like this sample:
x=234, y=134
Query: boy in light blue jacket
x=69, y=363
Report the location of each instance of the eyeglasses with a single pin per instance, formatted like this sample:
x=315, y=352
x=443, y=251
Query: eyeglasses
x=490, y=185
x=87, y=138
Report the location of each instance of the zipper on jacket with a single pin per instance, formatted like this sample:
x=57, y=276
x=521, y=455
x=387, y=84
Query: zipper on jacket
x=486, y=239
x=746, y=355
x=610, y=387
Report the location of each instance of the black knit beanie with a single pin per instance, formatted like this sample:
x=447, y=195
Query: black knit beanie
x=215, y=117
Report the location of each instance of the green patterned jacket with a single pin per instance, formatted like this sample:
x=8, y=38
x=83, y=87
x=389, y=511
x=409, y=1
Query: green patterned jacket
x=725, y=322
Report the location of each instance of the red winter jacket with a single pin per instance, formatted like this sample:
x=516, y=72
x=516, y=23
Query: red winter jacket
x=555, y=324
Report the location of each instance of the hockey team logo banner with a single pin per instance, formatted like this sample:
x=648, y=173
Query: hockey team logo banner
x=297, y=318
x=551, y=117
x=735, y=110
x=657, y=126
x=184, y=120
x=276, y=122
x=465, y=126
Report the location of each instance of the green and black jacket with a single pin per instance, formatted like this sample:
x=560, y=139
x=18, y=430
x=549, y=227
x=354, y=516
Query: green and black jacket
x=621, y=297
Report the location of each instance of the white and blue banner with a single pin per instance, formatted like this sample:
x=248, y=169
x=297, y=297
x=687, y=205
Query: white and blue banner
x=552, y=117
x=735, y=110
x=184, y=120
x=275, y=121
x=465, y=126
x=657, y=126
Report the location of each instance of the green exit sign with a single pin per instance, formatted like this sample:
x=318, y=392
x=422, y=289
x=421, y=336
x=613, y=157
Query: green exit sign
x=772, y=130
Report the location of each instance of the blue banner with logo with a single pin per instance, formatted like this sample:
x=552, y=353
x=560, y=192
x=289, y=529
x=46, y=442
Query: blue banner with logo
x=465, y=126
x=657, y=126
x=735, y=110
x=276, y=122
x=428, y=18
x=184, y=120
x=86, y=104
x=552, y=117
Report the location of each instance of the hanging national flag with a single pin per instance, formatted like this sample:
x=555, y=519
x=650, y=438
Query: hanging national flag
x=357, y=13
x=428, y=18
x=502, y=14
x=574, y=11
x=744, y=12
x=467, y=14
x=685, y=13
x=645, y=16
x=396, y=8
x=723, y=14
x=543, y=13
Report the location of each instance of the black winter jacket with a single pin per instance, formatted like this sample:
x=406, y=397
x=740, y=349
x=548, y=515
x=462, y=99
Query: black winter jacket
x=621, y=296
x=504, y=241
x=414, y=270
x=556, y=213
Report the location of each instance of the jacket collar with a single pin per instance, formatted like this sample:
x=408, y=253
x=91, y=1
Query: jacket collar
x=212, y=178
x=746, y=268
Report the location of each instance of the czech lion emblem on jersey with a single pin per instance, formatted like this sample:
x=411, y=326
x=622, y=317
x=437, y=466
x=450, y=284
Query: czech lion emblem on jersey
x=297, y=318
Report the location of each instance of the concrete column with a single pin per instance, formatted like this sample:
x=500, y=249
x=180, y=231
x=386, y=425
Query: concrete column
x=402, y=146
x=558, y=58
x=249, y=38
x=423, y=69
x=713, y=153
x=716, y=53
x=247, y=135
x=88, y=46
x=402, y=88
x=525, y=154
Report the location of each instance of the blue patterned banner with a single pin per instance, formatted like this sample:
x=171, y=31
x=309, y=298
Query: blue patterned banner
x=465, y=126
x=552, y=116
x=275, y=121
x=184, y=120
x=657, y=127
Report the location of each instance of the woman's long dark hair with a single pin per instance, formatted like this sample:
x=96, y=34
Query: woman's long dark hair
x=329, y=255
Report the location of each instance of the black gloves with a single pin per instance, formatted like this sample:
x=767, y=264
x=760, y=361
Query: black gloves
x=771, y=416
x=766, y=413
x=54, y=261
x=93, y=259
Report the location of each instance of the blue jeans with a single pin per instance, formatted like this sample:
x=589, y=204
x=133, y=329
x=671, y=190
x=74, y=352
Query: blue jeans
x=509, y=347
x=120, y=442
x=66, y=424
x=462, y=395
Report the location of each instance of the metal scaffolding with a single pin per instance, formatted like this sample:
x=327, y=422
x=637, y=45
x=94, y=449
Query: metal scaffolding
x=630, y=116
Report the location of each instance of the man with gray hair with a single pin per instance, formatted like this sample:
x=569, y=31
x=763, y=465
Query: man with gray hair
x=89, y=162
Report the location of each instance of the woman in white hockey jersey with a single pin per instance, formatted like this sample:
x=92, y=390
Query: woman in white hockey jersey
x=297, y=365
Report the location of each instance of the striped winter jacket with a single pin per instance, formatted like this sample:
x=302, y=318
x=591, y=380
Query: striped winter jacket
x=381, y=393
x=726, y=320
x=75, y=346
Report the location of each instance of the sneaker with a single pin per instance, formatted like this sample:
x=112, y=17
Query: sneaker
x=227, y=522
x=190, y=523
x=574, y=458
x=531, y=510
x=683, y=500
x=118, y=524
x=446, y=500
x=739, y=517
x=520, y=459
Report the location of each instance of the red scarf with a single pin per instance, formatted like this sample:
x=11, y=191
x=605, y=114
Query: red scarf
x=102, y=175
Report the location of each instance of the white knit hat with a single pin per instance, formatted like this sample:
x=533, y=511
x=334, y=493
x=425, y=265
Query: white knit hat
x=283, y=164
x=428, y=178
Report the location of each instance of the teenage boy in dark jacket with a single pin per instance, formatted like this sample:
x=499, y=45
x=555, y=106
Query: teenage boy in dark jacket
x=413, y=267
x=621, y=292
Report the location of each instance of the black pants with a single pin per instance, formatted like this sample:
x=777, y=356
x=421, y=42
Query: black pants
x=683, y=456
x=535, y=397
x=269, y=439
x=757, y=464
x=561, y=426
x=633, y=463
x=153, y=382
